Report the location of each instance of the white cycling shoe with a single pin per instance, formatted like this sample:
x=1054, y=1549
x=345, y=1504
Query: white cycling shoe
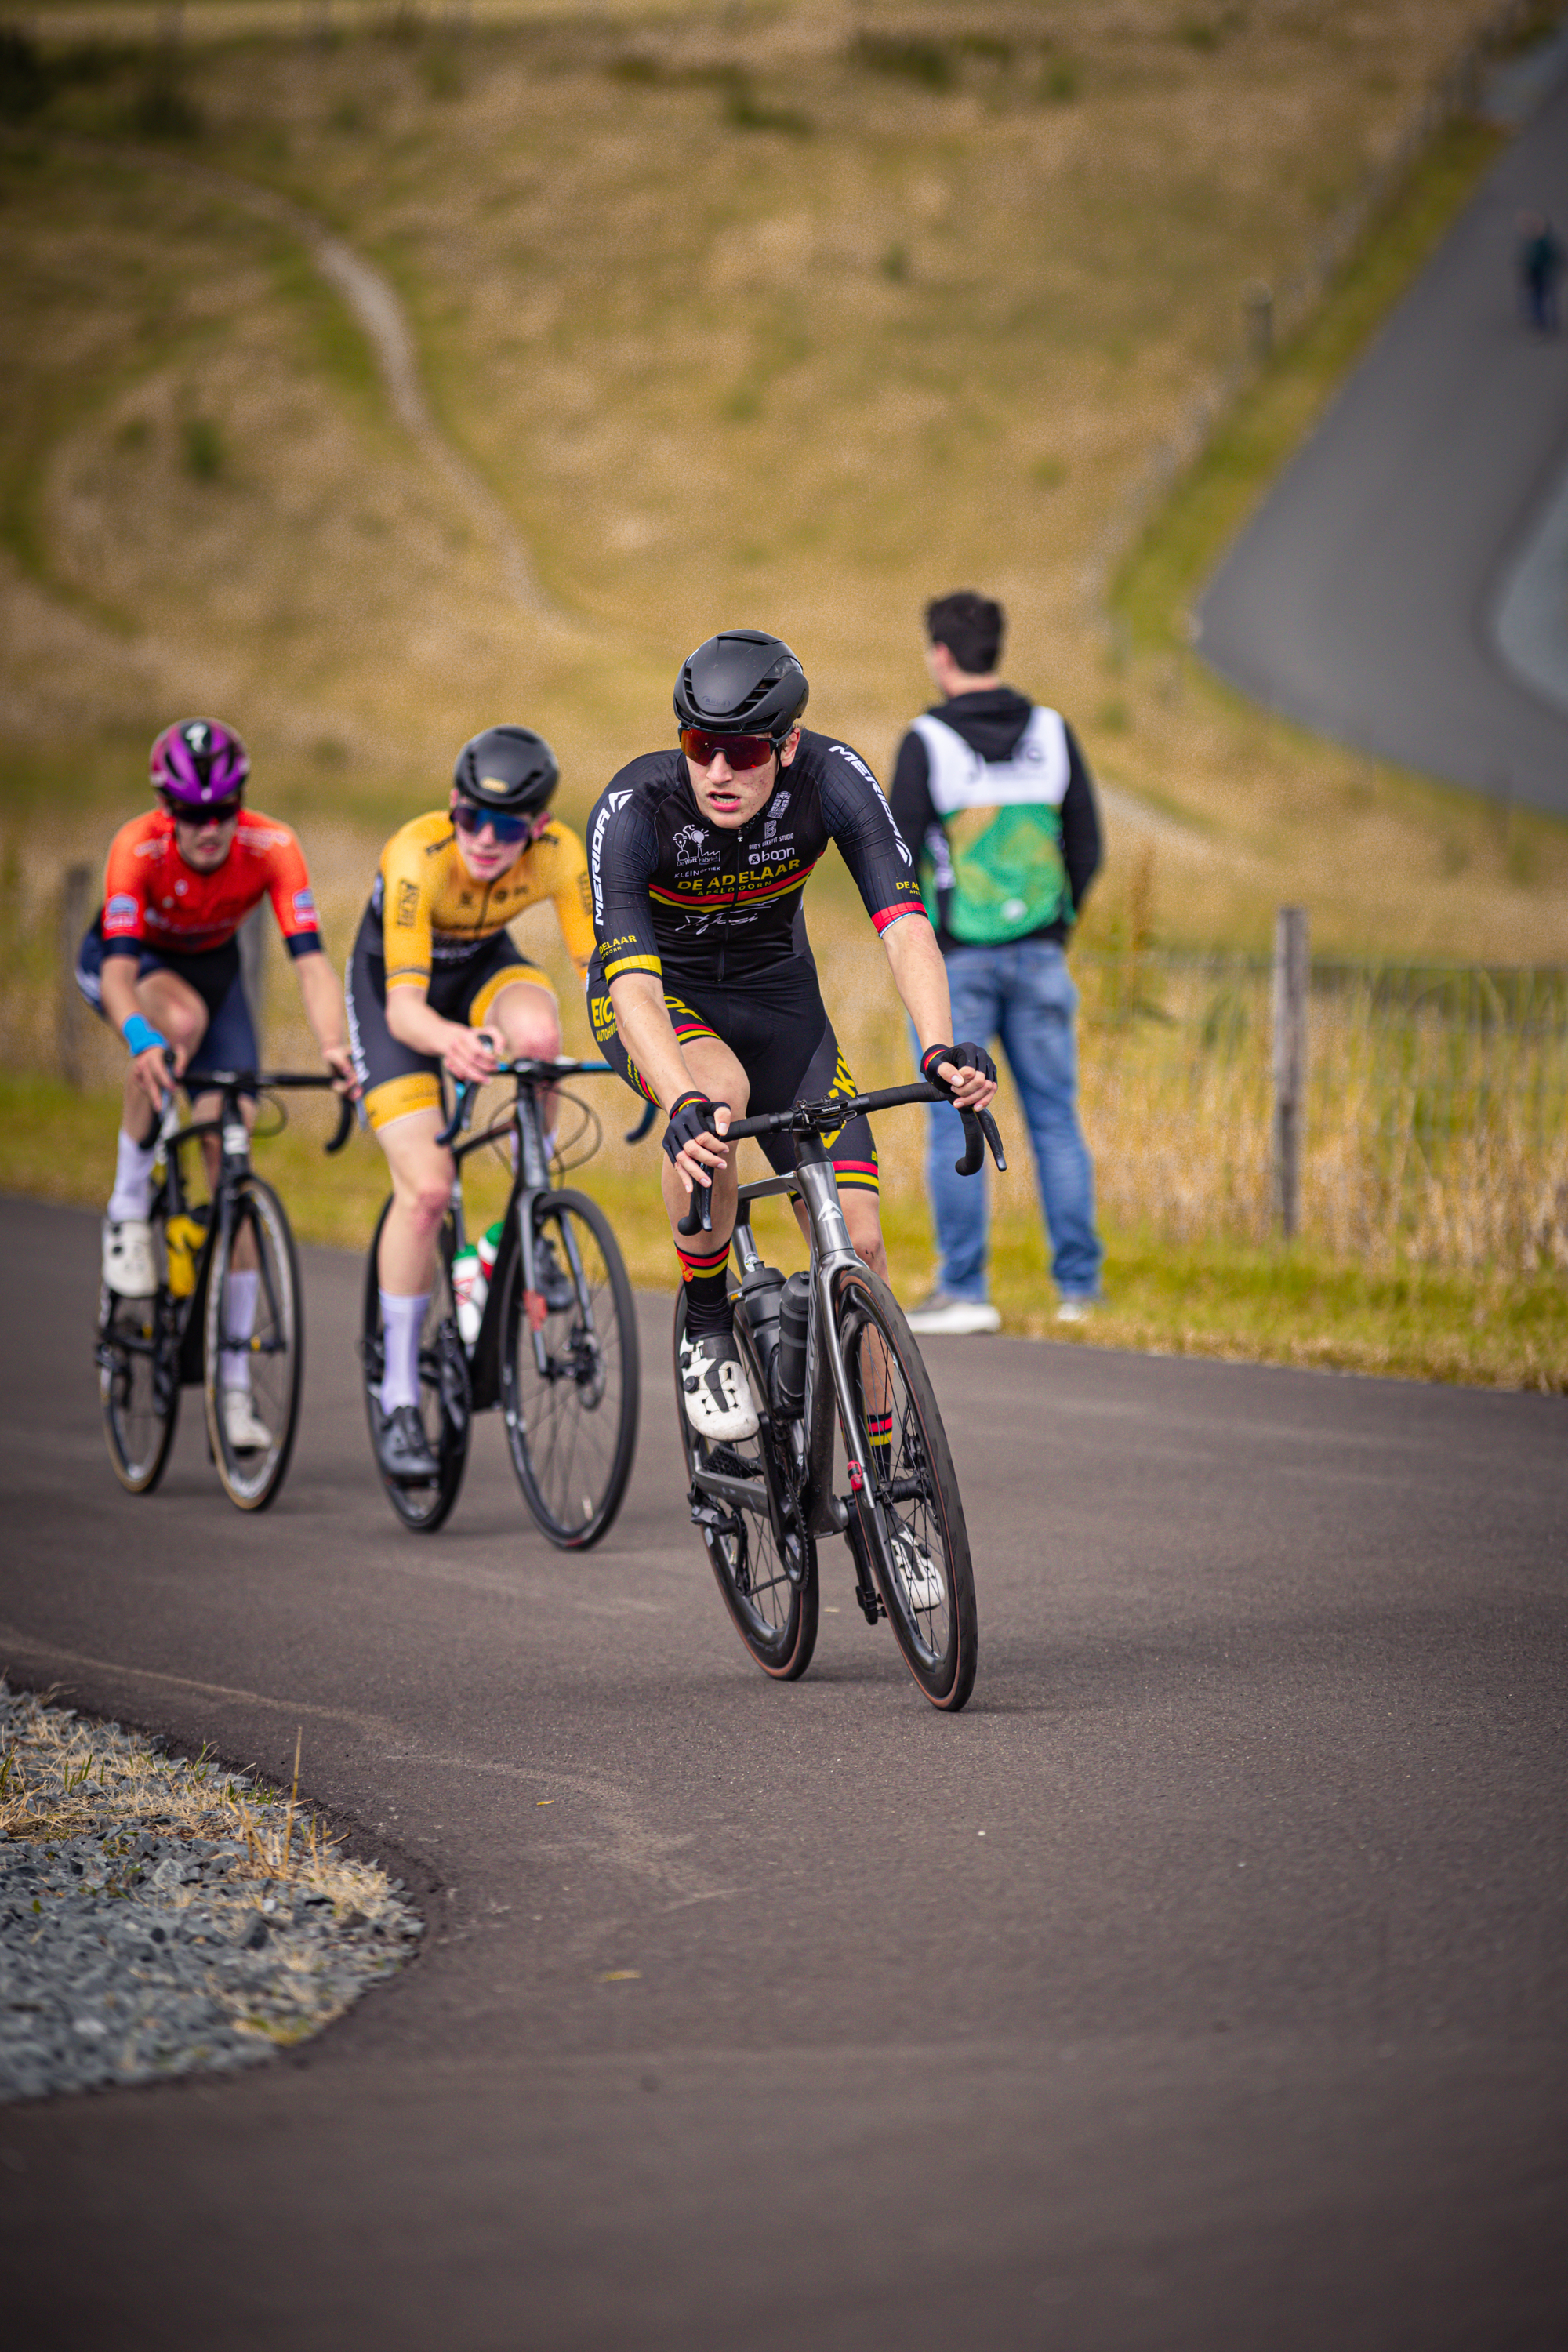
x=245, y=1432
x=917, y=1572
x=719, y=1402
x=129, y=1269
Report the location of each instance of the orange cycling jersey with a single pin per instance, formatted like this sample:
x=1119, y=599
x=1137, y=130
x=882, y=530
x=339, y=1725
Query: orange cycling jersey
x=152, y=898
x=433, y=911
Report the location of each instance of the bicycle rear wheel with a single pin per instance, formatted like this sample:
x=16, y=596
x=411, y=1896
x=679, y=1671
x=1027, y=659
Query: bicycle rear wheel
x=255, y=1240
x=769, y=1590
x=910, y=1511
x=139, y=1379
x=570, y=1373
x=444, y=1405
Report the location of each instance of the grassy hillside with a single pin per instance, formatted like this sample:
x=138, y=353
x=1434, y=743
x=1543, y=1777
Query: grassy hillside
x=793, y=313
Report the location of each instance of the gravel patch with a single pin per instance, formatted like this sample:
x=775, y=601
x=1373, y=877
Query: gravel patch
x=161, y=1916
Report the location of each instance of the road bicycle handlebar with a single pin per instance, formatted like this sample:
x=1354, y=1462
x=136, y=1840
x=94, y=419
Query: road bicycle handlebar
x=528, y=1072
x=833, y=1111
x=230, y=1082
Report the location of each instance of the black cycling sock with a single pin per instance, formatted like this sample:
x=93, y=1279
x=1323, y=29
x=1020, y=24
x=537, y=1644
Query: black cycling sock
x=708, y=1308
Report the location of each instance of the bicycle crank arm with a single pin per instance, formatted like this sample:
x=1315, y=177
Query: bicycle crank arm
x=866, y=1591
x=741, y=1493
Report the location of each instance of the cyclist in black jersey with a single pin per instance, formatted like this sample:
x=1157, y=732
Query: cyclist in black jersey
x=703, y=991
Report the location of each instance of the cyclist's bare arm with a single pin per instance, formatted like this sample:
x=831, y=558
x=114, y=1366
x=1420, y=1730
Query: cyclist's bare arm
x=649, y=1039
x=414, y=1021
x=921, y=978
x=119, y=1002
x=323, y=999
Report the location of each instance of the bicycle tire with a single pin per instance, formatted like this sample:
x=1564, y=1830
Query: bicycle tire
x=910, y=1511
x=776, y=1615
x=573, y=1465
x=277, y=1350
x=139, y=1379
x=445, y=1405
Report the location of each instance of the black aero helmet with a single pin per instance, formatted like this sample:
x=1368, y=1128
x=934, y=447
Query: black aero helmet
x=507, y=768
x=741, y=682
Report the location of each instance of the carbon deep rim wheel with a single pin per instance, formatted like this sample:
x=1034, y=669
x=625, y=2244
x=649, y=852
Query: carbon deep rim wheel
x=775, y=1612
x=139, y=1380
x=444, y=1405
x=572, y=1425
x=910, y=1510
x=259, y=1231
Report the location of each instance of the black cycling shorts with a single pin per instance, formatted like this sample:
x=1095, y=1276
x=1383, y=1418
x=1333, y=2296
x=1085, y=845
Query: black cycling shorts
x=778, y=1027
x=228, y=1042
x=397, y=1081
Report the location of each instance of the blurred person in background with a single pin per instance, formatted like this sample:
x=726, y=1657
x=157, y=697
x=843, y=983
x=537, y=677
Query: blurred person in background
x=161, y=964
x=993, y=791
x=1540, y=264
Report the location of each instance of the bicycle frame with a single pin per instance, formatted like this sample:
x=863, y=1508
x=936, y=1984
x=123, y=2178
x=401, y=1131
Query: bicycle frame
x=524, y=1121
x=189, y=1313
x=827, y=1382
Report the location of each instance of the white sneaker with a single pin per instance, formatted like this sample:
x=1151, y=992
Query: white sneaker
x=1076, y=1311
x=245, y=1434
x=719, y=1402
x=939, y=1313
x=917, y=1572
x=129, y=1269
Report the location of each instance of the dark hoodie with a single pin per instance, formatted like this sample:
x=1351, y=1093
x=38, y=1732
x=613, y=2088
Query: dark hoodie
x=991, y=723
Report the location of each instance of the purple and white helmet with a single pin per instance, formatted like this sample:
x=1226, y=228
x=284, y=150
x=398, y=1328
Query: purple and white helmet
x=198, y=761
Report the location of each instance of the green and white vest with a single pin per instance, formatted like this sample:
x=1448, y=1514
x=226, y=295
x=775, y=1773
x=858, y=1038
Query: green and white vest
x=1001, y=875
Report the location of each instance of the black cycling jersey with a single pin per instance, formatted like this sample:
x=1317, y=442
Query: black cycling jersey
x=674, y=893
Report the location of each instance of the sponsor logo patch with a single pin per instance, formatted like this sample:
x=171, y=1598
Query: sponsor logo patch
x=120, y=914
x=305, y=908
x=407, y=905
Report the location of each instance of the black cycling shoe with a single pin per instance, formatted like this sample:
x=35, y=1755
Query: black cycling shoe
x=560, y=1290
x=403, y=1449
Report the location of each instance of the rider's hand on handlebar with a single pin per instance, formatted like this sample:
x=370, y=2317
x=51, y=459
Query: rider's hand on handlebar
x=156, y=1070
x=471, y=1054
x=338, y=1060
x=965, y=1072
x=690, y=1140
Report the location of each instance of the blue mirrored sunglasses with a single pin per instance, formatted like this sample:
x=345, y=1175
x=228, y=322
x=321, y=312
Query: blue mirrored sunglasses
x=467, y=818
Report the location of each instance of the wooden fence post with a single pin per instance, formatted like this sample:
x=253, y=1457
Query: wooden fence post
x=1290, y=979
x=76, y=886
x=253, y=972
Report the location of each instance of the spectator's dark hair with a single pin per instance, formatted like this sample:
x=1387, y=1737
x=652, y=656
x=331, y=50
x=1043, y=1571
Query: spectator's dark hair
x=972, y=628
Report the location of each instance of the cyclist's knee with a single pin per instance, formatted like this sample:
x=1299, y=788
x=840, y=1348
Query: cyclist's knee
x=864, y=1221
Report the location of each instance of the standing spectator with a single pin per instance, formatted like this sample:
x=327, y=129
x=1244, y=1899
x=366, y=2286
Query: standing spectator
x=993, y=791
x=1539, y=267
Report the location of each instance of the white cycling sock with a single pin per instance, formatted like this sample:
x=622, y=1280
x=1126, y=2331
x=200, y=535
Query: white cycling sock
x=239, y=1321
x=400, y=1321
x=132, y=1193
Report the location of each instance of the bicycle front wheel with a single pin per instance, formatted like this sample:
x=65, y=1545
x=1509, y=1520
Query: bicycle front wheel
x=444, y=1400
x=139, y=1379
x=253, y=1351
x=911, y=1512
x=769, y=1587
x=570, y=1374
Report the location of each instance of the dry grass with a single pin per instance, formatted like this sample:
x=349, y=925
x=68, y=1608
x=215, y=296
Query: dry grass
x=763, y=313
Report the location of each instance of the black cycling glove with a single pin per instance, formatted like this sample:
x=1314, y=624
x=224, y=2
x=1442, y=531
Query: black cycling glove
x=962, y=1057
x=690, y=1114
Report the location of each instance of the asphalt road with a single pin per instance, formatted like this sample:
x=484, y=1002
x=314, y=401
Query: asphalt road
x=1201, y=1985
x=1361, y=599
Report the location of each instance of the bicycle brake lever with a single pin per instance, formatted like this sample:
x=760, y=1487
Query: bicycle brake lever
x=974, y=1146
x=462, y=1112
x=699, y=1217
x=634, y=1134
x=993, y=1134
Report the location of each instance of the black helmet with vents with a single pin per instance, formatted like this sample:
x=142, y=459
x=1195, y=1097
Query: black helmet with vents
x=741, y=682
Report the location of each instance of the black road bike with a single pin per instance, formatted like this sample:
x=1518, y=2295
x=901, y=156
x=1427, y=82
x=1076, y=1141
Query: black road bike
x=556, y=1348
x=148, y=1350
x=829, y=1352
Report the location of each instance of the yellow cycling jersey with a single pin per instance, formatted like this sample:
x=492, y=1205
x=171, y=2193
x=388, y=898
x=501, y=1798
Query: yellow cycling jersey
x=433, y=911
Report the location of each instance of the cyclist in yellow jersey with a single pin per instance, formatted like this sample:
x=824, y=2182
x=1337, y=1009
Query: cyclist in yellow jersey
x=435, y=980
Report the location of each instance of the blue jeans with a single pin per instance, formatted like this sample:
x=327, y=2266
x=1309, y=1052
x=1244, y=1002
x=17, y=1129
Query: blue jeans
x=1024, y=995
